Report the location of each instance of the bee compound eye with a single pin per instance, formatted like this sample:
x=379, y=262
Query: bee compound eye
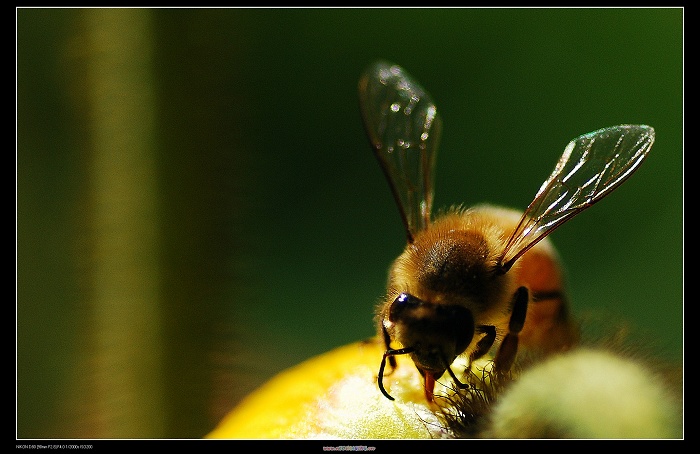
x=403, y=303
x=462, y=322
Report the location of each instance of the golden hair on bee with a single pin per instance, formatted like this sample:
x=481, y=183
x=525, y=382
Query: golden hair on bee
x=485, y=280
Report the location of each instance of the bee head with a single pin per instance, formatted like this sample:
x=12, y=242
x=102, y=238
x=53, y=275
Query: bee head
x=437, y=333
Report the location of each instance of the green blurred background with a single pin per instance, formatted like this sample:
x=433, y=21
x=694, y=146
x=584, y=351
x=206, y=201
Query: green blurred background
x=198, y=207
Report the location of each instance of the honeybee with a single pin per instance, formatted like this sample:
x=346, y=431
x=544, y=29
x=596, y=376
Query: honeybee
x=482, y=278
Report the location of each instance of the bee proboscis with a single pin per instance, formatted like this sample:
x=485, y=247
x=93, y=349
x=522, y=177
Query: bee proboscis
x=485, y=277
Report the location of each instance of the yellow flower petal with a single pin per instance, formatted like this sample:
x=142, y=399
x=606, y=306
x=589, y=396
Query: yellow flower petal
x=582, y=393
x=335, y=396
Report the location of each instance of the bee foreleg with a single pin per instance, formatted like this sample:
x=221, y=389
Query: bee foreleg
x=387, y=342
x=456, y=381
x=509, y=347
x=389, y=353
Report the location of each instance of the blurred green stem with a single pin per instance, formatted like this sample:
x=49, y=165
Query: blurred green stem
x=124, y=276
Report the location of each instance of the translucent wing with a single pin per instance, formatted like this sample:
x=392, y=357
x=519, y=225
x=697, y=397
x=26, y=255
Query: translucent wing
x=403, y=128
x=592, y=166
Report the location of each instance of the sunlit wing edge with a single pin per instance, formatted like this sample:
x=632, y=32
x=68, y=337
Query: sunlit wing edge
x=540, y=219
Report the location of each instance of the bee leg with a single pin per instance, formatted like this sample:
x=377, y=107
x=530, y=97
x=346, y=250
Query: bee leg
x=380, y=376
x=389, y=353
x=509, y=347
x=387, y=341
x=485, y=343
x=456, y=381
